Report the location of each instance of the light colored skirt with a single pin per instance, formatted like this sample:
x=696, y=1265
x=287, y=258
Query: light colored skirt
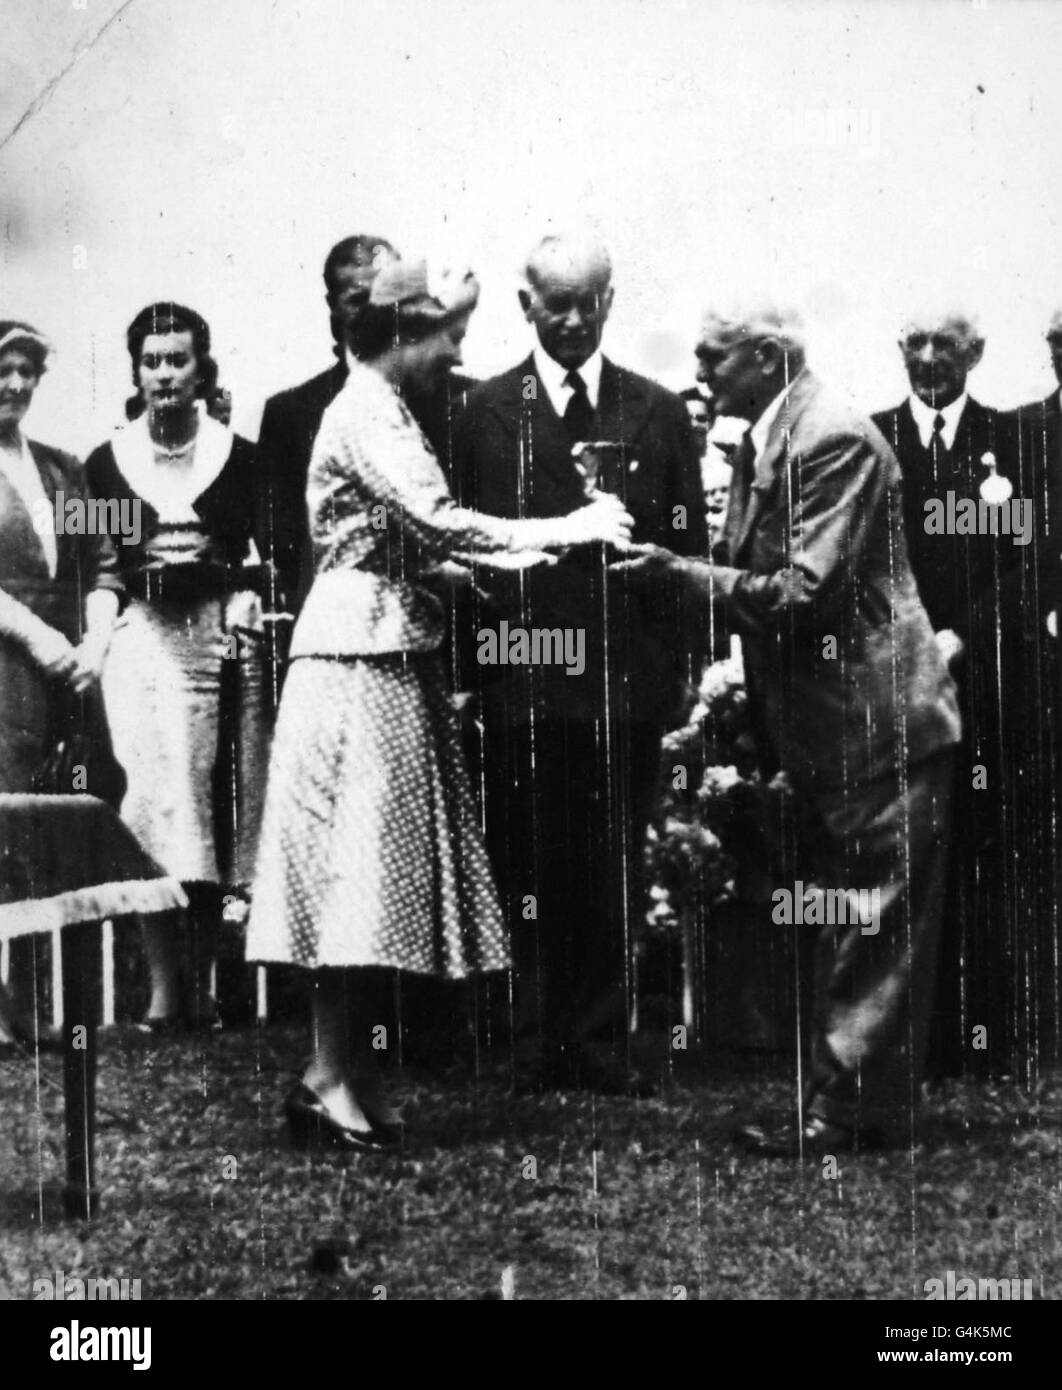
x=168, y=702
x=371, y=853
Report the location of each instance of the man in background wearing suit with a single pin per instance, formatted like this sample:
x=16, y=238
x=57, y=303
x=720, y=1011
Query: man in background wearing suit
x=945, y=442
x=1040, y=724
x=1040, y=470
x=572, y=751
x=850, y=696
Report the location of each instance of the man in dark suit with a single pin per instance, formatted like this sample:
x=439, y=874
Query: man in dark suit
x=850, y=696
x=1040, y=470
x=1039, y=723
x=949, y=444
x=571, y=751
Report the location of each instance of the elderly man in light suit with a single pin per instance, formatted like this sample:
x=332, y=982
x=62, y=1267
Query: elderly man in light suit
x=850, y=696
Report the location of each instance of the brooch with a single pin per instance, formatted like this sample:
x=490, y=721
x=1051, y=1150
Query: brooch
x=994, y=489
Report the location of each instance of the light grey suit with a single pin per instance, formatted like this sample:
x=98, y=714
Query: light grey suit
x=865, y=725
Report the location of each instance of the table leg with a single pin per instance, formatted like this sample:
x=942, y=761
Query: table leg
x=80, y=949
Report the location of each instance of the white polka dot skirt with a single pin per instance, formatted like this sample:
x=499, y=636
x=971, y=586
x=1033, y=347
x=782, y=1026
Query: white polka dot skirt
x=371, y=853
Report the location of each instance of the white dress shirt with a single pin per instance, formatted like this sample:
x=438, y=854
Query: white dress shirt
x=20, y=469
x=925, y=415
x=552, y=374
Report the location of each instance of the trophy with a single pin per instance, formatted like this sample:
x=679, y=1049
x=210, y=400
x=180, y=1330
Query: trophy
x=600, y=461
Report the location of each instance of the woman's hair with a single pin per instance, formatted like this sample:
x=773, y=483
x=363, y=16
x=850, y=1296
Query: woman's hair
x=14, y=333
x=170, y=318
x=402, y=310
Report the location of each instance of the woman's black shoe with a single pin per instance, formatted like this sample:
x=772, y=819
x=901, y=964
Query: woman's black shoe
x=30, y=1039
x=187, y=1021
x=312, y=1125
x=209, y=1021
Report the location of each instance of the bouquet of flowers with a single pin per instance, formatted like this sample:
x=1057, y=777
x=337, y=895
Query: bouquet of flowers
x=706, y=843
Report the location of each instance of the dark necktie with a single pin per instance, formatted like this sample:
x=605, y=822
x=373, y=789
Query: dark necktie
x=578, y=413
x=937, y=448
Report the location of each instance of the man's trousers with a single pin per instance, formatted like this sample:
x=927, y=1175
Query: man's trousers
x=567, y=804
x=874, y=981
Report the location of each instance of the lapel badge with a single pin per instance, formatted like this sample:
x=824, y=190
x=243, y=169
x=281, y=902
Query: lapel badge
x=994, y=490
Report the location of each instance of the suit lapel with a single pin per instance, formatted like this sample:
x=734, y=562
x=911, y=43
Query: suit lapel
x=622, y=406
x=773, y=461
x=908, y=440
x=968, y=437
x=523, y=409
x=764, y=482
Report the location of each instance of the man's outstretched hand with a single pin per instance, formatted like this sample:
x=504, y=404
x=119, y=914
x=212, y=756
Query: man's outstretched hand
x=648, y=562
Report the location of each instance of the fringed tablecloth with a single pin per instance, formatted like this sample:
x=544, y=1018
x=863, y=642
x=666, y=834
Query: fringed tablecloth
x=67, y=859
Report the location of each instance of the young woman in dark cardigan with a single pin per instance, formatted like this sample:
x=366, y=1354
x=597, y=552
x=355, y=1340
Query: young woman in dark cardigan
x=183, y=675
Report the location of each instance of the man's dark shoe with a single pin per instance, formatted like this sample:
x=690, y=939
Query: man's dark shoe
x=600, y=1070
x=541, y=1067
x=815, y=1139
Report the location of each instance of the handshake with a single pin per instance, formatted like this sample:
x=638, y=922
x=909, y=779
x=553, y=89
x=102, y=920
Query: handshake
x=603, y=520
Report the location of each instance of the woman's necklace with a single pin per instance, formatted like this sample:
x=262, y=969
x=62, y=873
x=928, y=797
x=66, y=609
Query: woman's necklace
x=178, y=454
x=178, y=451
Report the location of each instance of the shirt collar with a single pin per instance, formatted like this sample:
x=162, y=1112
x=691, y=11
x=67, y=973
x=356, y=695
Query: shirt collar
x=924, y=416
x=762, y=428
x=552, y=374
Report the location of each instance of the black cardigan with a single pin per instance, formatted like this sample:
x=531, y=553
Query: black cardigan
x=229, y=508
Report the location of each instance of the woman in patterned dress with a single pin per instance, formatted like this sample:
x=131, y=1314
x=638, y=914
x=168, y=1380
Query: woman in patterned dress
x=371, y=854
x=182, y=679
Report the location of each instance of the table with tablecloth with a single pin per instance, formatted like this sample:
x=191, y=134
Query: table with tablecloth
x=69, y=862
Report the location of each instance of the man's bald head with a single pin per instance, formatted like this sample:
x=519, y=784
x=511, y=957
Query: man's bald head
x=958, y=320
x=941, y=344
x=578, y=256
x=747, y=353
x=752, y=320
x=567, y=296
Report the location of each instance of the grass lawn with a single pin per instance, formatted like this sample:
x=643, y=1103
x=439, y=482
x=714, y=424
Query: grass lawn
x=625, y=1199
